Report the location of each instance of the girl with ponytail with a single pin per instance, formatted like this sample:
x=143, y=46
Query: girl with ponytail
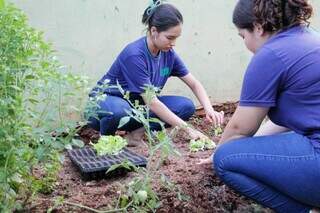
x=277, y=164
x=150, y=61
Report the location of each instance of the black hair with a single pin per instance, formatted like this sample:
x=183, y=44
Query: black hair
x=163, y=17
x=273, y=15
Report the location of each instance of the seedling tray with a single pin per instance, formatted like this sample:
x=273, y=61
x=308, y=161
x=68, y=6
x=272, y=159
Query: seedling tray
x=93, y=166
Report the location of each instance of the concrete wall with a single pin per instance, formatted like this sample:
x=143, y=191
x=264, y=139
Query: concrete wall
x=89, y=34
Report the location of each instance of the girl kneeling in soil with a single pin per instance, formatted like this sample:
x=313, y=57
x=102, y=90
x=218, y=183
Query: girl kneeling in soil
x=279, y=165
x=150, y=60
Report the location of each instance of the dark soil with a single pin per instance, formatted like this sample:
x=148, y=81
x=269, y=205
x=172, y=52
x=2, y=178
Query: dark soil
x=206, y=192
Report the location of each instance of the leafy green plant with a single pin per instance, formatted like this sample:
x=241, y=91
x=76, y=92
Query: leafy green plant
x=165, y=146
x=218, y=131
x=140, y=189
x=140, y=194
x=109, y=145
x=201, y=144
x=37, y=97
x=125, y=165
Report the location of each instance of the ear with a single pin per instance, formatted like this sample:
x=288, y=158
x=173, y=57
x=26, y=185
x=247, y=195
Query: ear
x=258, y=29
x=153, y=30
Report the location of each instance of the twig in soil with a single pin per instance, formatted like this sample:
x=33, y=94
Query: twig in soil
x=98, y=211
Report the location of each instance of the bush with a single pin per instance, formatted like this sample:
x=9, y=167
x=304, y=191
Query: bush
x=35, y=99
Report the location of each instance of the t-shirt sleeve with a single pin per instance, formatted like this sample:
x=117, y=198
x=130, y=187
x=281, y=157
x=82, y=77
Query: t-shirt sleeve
x=179, y=69
x=135, y=72
x=262, y=80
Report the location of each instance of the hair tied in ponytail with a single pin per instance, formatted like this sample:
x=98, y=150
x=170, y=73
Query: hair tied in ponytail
x=161, y=15
x=152, y=6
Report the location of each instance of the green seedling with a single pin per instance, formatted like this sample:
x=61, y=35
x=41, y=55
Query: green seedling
x=142, y=195
x=196, y=145
x=125, y=165
x=201, y=144
x=218, y=131
x=109, y=145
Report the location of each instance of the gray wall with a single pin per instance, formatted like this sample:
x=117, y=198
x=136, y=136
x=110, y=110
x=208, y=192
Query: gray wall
x=89, y=34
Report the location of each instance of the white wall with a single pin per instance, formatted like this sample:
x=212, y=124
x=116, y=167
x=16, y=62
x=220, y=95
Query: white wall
x=89, y=34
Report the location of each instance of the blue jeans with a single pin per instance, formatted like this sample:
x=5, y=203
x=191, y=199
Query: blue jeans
x=281, y=171
x=113, y=108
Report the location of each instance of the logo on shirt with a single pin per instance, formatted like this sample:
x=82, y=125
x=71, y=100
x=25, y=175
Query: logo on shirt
x=165, y=72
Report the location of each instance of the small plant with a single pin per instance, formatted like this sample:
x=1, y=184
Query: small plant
x=140, y=191
x=109, y=145
x=201, y=144
x=165, y=146
x=140, y=195
x=125, y=165
x=218, y=131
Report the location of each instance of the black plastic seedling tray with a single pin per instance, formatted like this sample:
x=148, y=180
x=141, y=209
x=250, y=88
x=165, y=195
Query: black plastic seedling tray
x=93, y=166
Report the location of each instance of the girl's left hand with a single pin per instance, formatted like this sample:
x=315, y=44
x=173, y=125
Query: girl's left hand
x=215, y=117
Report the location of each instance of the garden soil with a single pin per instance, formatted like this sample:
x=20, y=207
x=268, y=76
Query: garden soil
x=205, y=192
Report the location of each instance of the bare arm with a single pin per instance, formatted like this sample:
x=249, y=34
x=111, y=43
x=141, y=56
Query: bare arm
x=200, y=93
x=166, y=115
x=244, y=122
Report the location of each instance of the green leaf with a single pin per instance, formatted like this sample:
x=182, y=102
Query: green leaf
x=109, y=145
x=68, y=146
x=120, y=88
x=2, y=4
x=15, y=88
x=201, y=144
x=123, y=121
x=196, y=145
x=218, y=131
x=33, y=101
x=77, y=143
x=155, y=120
x=125, y=164
x=124, y=200
x=29, y=77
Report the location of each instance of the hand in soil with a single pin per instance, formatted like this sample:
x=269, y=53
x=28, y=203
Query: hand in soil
x=217, y=118
x=205, y=161
x=195, y=134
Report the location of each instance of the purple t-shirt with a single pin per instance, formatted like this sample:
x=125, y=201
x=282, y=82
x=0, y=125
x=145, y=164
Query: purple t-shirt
x=136, y=67
x=285, y=75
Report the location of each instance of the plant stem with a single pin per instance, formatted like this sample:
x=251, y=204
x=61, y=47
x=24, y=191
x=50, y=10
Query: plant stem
x=98, y=211
x=60, y=103
x=6, y=172
x=44, y=111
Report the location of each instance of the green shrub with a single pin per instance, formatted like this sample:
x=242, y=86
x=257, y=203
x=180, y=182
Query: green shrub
x=36, y=96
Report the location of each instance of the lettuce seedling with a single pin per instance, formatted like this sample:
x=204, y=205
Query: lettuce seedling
x=201, y=144
x=109, y=145
x=218, y=131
